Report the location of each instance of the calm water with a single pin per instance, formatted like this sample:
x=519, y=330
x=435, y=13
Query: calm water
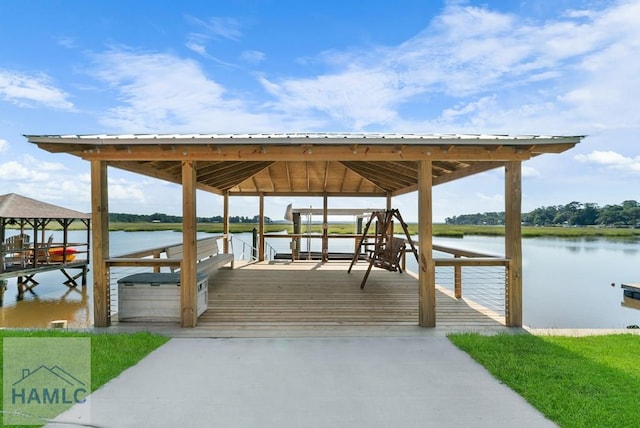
x=567, y=283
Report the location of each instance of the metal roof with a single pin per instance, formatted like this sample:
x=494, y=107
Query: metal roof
x=316, y=137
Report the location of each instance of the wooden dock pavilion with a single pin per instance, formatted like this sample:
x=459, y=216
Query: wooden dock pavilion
x=308, y=164
x=25, y=249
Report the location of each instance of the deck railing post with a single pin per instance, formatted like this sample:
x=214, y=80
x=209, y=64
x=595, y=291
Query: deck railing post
x=156, y=255
x=254, y=248
x=457, y=279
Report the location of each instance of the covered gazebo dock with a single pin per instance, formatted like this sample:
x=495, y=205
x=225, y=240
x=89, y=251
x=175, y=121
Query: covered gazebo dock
x=309, y=164
x=27, y=245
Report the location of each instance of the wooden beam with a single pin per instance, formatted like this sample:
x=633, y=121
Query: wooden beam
x=225, y=241
x=100, y=220
x=309, y=152
x=474, y=168
x=326, y=176
x=188, y=273
x=427, y=272
x=513, y=242
x=261, y=230
x=232, y=176
x=325, y=229
x=143, y=262
x=161, y=175
x=381, y=174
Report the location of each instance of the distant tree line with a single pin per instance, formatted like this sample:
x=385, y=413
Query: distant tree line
x=165, y=218
x=574, y=213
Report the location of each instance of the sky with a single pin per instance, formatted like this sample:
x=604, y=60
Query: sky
x=553, y=67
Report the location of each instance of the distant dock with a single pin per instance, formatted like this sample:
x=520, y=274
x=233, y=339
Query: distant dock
x=631, y=295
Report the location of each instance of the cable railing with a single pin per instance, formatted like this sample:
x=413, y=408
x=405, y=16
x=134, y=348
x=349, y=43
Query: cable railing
x=250, y=252
x=483, y=277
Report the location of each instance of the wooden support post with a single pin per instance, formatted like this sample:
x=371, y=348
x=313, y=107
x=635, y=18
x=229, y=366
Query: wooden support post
x=156, y=255
x=225, y=241
x=457, y=279
x=513, y=242
x=325, y=229
x=188, y=279
x=261, y=229
x=100, y=219
x=297, y=230
x=427, y=272
x=388, y=201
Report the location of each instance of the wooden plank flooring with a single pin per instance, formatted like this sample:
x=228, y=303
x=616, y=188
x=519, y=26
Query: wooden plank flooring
x=285, y=294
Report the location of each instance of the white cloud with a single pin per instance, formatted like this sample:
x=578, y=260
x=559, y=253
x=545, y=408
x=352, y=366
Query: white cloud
x=4, y=145
x=166, y=93
x=47, y=181
x=356, y=99
x=126, y=190
x=528, y=171
x=198, y=48
x=34, y=163
x=15, y=171
x=487, y=71
x=252, y=57
x=29, y=169
x=25, y=90
x=212, y=29
x=216, y=27
x=491, y=198
x=612, y=160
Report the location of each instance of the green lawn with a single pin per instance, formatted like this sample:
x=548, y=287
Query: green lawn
x=589, y=381
x=111, y=354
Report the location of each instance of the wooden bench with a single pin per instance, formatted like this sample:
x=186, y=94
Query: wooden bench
x=208, y=256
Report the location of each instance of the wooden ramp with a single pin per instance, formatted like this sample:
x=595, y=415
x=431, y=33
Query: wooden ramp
x=307, y=293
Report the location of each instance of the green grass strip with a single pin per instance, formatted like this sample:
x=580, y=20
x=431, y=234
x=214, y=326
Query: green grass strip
x=111, y=354
x=590, y=381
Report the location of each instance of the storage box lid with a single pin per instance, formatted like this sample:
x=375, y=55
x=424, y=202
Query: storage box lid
x=157, y=278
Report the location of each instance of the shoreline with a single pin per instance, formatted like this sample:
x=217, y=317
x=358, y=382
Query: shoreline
x=439, y=230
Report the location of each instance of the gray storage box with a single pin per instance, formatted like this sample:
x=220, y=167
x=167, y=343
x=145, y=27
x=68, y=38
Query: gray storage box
x=156, y=296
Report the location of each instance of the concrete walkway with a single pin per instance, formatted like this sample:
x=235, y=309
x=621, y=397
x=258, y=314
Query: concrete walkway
x=306, y=382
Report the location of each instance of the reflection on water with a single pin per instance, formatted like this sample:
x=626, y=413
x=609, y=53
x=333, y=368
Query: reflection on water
x=50, y=300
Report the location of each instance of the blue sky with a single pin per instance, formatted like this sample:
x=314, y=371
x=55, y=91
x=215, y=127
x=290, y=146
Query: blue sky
x=562, y=67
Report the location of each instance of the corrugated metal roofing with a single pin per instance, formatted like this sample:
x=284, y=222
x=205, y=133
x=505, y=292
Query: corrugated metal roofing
x=296, y=136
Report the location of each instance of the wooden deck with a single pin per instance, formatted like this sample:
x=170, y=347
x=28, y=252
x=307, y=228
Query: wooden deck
x=310, y=294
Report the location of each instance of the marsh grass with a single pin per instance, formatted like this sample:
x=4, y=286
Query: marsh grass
x=441, y=230
x=574, y=381
x=111, y=354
